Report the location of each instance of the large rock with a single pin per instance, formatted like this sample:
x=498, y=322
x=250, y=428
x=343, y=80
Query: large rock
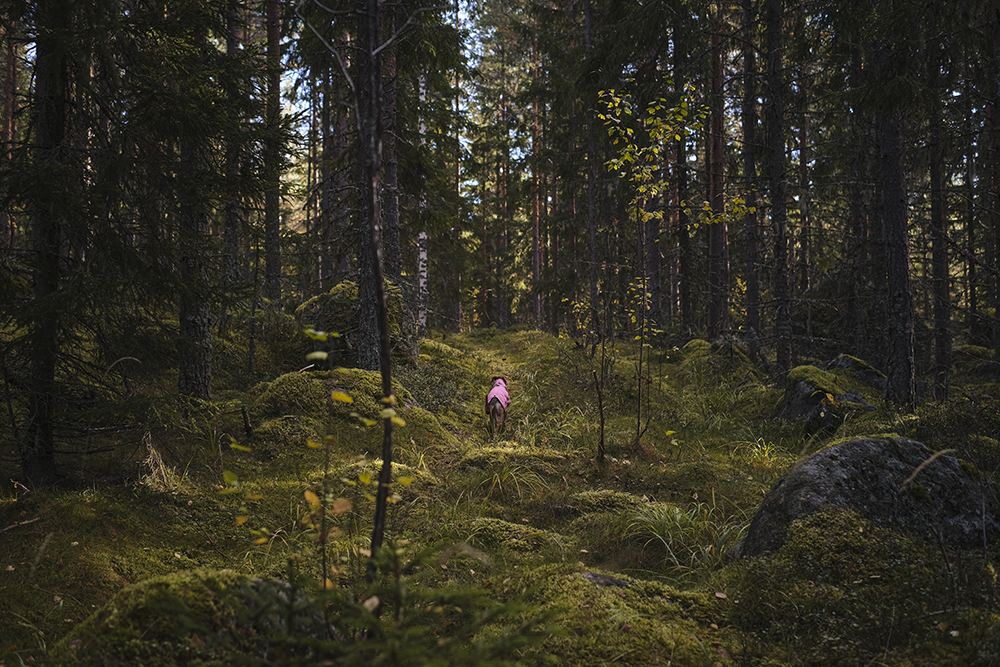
x=942, y=501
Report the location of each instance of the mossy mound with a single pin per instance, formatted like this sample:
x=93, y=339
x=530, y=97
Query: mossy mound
x=611, y=618
x=500, y=539
x=501, y=455
x=196, y=617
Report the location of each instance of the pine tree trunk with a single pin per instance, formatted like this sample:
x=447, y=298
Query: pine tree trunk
x=50, y=109
x=892, y=208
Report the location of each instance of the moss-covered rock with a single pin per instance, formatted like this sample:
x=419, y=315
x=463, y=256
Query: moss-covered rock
x=871, y=476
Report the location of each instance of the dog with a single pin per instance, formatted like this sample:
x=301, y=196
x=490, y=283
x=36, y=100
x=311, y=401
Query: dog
x=496, y=404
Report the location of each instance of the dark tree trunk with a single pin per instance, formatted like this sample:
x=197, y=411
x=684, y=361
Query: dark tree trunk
x=371, y=135
x=892, y=209
x=750, y=225
x=390, y=189
x=50, y=152
x=595, y=305
x=9, y=79
x=195, y=344
x=370, y=162
x=718, y=241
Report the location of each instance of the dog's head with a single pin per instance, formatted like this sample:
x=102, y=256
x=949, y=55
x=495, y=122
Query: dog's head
x=502, y=379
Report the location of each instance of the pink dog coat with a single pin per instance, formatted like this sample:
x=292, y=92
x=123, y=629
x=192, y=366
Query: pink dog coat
x=499, y=391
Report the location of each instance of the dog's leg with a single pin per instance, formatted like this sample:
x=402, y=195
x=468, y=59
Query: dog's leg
x=496, y=417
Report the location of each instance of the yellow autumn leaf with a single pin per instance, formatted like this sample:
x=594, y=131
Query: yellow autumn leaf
x=240, y=520
x=311, y=498
x=341, y=396
x=313, y=444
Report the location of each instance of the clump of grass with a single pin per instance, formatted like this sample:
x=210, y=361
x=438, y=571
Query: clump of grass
x=689, y=541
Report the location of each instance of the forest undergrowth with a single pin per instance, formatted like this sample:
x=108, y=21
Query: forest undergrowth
x=187, y=539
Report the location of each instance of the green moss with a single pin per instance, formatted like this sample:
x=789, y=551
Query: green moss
x=605, y=500
x=610, y=618
x=696, y=347
x=920, y=492
x=284, y=435
x=817, y=378
x=487, y=457
x=289, y=394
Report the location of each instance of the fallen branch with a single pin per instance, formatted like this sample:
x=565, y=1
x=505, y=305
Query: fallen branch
x=18, y=525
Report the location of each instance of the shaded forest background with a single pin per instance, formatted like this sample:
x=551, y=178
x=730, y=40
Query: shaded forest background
x=179, y=177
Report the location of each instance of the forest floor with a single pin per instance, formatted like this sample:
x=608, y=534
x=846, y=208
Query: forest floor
x=526, y=548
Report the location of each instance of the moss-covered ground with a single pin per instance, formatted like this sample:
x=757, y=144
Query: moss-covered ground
x=163, y=545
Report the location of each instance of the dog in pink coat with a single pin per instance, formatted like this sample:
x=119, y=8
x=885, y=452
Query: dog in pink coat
x=496, y=404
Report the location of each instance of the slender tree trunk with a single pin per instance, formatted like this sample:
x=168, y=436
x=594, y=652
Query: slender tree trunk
x=805, y=231
x=778, y=173
x=233, y=212
x=7, y=128
x=536, y=204
x=422, y=291
x=749, y=118
x=390, y=189
x=272, y=196
x=195, y=343
x=50, y=116
x=993, y=150
x=371, y=134
x=939, y=256
x=595, y=305
x=718, y=241
x=326, y=223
